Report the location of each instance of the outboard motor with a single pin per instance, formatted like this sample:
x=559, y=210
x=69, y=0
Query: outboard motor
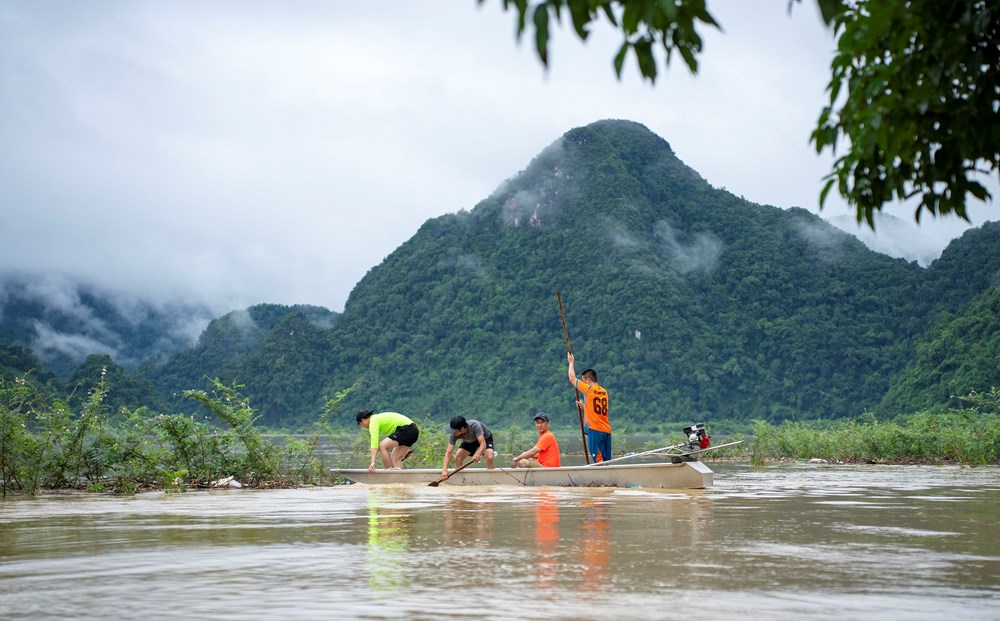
x=697, y=438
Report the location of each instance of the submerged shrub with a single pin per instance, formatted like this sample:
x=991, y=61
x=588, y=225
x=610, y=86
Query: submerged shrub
x=244, y=450
x=19, y=449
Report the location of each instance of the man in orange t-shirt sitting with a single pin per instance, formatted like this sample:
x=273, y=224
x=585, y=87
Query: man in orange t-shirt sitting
x=545, y=453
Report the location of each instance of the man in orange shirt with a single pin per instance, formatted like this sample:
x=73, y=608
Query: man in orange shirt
x=595, y=411
x=545, y=453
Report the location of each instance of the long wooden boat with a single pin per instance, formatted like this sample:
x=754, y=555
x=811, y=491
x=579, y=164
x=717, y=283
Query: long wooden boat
x=683, y=475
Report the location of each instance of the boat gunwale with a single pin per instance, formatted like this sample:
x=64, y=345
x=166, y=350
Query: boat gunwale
x=606, y=476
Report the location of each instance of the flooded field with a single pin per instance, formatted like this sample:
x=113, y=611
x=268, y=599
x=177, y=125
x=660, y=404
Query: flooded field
x=782, y=542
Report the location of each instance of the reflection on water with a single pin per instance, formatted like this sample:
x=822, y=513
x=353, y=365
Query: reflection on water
x=784, y=542
x=596, y=543
x=546, y=561
x=466, y=523
x=389, y=527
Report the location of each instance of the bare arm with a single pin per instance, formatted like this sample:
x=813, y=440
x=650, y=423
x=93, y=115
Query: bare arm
x=528, y=454
x=572, y=371
x=447, y=458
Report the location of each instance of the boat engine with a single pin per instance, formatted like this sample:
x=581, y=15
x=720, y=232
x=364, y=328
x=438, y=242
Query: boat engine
x=697, y=438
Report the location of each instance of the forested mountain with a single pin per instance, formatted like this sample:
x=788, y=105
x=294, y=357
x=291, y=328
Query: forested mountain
x=691, y=303
x=960, y=354
x=966, y=268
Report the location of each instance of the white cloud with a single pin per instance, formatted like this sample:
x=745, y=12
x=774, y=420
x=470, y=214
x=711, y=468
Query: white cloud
x=50, y=343
x=699, y=254
x=257, y=151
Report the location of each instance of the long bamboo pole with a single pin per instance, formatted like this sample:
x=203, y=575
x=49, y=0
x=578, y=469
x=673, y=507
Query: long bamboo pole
x=576, y=397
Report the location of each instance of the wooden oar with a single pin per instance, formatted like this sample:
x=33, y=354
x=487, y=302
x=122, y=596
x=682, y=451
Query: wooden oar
x=576, y=397
x=438, y=482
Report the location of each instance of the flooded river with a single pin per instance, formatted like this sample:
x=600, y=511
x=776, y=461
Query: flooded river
x=781, y=542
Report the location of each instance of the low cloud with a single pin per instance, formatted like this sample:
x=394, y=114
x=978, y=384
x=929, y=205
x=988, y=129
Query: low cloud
x=828, y=240
x=701, y=254
x=895, y=237
x=522, y=209
x=242, y=321
x=621, y=238
x=50, y=344
x=65, y=320
x=469, y=263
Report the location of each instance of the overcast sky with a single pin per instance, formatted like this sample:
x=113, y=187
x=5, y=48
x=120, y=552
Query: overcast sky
x=238, y=152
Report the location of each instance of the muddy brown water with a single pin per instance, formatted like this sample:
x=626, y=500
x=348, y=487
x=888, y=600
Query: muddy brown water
x=780, y=542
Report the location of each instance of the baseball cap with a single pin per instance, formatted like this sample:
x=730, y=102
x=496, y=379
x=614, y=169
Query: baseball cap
x=541, y=415
x=362, y=414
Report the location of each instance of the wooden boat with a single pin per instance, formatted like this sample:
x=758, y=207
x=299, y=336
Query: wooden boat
x=683, y=471
x=683, y=475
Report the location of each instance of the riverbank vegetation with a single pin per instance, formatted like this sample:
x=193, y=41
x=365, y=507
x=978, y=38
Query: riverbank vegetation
x=967, y=435
x=46, y=445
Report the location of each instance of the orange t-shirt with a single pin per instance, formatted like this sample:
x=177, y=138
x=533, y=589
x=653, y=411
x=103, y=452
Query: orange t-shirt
x=548, y=456
x=595, y=406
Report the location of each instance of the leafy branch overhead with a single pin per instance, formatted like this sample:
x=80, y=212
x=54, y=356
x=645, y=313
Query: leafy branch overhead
x=645, y=24
x=914, y=91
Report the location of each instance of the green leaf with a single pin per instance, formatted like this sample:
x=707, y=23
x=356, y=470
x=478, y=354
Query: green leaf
x=669, y=10
x=826, y=190
x=630, y=18
x=689, y=57
x=620, y=58
x=580, y=12
x=541, y=19
x=644, y=54
x=606, y=7
x=979, y=191
x=830, y=9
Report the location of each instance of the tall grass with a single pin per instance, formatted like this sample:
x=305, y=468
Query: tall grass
x=967, y=435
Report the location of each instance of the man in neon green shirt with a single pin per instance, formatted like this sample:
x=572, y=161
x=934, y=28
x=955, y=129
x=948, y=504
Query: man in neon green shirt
x=401, y=432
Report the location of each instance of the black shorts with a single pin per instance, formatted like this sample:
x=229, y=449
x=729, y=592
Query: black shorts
x=472, y=447
x=406, y=435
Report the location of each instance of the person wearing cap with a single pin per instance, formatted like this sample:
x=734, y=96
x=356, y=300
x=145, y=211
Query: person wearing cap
x=401, y=434
x=545, y=453
x=477, y=440
x=594, y=402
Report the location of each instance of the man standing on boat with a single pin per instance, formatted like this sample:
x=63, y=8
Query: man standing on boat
x=595, y=411
x=545, y=453
x=401, y=432
x=477, y=440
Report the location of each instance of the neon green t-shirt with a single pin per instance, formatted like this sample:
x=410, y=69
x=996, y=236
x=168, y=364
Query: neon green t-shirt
x=384, y=423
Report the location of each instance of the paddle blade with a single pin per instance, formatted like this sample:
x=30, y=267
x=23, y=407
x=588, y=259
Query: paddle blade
x=435, y=483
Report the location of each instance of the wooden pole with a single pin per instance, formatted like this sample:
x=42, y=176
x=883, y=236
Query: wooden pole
x=576, y=397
